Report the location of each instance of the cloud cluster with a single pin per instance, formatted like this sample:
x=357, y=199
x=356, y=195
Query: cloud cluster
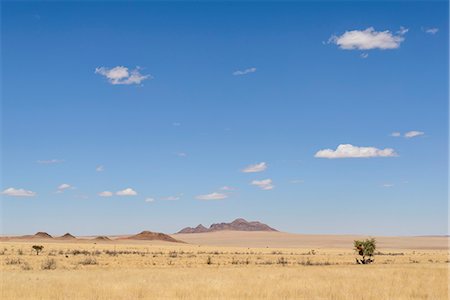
x=125, y=192
x=13, y=192
x=255, y=168
x=265, y=184
x=409, y=134
x=350, y=151
x=432, y=30
x=244, y=72
x=121, y=75
x=369, y=39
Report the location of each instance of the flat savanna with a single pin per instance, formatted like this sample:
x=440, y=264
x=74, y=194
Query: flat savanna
x=224, y=265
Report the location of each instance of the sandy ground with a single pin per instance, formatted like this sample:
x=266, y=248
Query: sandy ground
x=289, y=240
x=269, y=240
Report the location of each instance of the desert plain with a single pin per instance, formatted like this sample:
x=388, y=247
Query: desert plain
x=223, y=265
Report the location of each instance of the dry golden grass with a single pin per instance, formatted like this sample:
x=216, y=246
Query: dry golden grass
x=155, y=270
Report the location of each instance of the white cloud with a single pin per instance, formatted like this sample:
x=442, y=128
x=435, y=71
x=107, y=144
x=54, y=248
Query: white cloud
x=63, y=187
x=100, y=168
x=212, y=196
x=265, y=184
x=432, y=30
x=364, y=55
x=50, y=161
x=105, y=194
x=388, y=185
x=121, y=75
x=396, y=134
x=414, y=133
x=126, y=192
x=369, y=39
x=181, y=154
x=149, y=200
x=350, y=151
x=18, y=192
x=244, y=72
x=255, y=168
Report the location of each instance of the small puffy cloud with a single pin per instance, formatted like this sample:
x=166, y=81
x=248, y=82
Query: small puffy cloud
x=13, y=192
x=265, y=184
x=255, y=168
x=148, y=200
x=369, y=39
x=432, y=31
x=181, y=154
x=122, y=75
x=350, y=151
x=388, y=185
x=105, y=194
x=126, y=192
x=396, y=134
x=364, y=55
x=244, y=72
x=63, y=187
x=50, y=161
x=414, y=133
x=100, y=168
x=212, y=196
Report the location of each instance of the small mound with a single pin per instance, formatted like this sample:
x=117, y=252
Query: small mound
x=67, y=236
x=43, y=235
x=102, y=238
x=153, y=236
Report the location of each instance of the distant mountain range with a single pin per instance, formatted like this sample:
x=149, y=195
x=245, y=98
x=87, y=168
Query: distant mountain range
x=237, y=225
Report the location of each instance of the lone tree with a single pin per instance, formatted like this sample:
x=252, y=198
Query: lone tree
x=366, y=249
x=37, y=248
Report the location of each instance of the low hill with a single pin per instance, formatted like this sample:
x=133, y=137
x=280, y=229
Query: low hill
x=102, y=238
x=42, y=235
x=153, y=236
x=237, y=225
x=67, y=236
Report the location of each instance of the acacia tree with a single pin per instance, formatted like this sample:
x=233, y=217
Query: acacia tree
x=365, y=248
x=37, y=248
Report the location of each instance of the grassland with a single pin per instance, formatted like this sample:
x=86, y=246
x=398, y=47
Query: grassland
x=158, y=270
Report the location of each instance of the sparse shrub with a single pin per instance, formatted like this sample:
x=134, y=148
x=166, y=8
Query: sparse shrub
x=208, y=260
x=88, y=261
x=26, y=266
x=13, y=261
x=48, y=264
x=282, y=261
x=173, y=254
x=37, y=248
x=366, y=249
x=19, y=251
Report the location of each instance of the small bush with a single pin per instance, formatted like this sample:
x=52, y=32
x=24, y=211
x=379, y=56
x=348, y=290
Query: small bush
x=37, y=248
x=48, y=264
x=208, y=260
x=282, y=261
x=26, y=266
x=88, y=261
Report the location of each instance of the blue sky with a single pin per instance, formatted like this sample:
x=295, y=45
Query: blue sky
x=120, y=117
